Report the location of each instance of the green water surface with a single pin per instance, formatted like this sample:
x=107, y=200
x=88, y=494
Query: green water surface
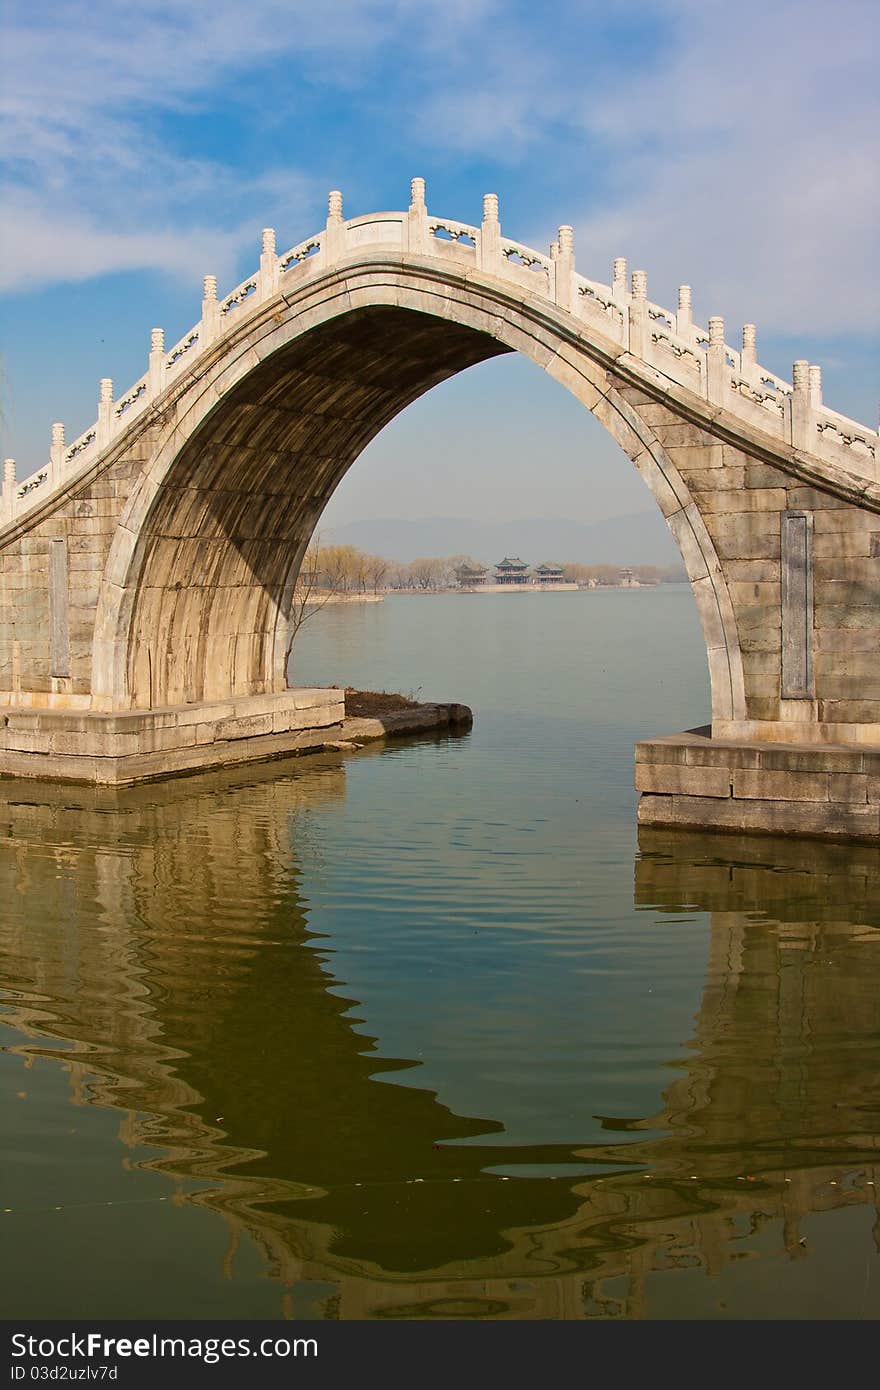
x=430, y=1031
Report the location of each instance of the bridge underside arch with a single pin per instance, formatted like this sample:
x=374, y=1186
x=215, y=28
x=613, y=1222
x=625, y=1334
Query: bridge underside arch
x=224, y=539
x=199, y=581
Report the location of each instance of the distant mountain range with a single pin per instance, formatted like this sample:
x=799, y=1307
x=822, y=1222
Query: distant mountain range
x=639, y=539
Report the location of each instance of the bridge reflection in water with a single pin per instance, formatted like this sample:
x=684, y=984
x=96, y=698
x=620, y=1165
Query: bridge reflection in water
x=155, y=942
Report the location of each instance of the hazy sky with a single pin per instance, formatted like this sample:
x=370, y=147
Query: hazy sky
x=733, y=147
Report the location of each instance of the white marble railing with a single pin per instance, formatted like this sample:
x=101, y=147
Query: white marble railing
x=174, y=360
x=133, y=401
x=297, y=255
x=518, y=255
x=666, y=340
x=445, y=229
x=240, y=295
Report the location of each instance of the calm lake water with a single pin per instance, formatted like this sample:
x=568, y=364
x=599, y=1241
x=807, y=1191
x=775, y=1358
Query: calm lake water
x=430, y=1031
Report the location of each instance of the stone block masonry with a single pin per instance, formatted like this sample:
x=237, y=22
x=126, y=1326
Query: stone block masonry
x=122, y=750
x=695, y=781
x=125, y=748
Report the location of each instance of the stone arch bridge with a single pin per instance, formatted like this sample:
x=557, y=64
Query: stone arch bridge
x=147, y=570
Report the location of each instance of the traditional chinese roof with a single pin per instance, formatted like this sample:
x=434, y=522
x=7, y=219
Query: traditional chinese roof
x=548, y=569
x=471, y=569
x=512, y=563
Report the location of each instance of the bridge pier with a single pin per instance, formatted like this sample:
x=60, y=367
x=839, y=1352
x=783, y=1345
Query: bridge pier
x=830, y=790
x=123, y=748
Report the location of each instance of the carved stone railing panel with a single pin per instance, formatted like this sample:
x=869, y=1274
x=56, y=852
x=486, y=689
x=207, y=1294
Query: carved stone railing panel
x=761, y=379
x=666, y=343
x=248, y=289
x=845, y=434
x=768, y=413
x=444, y=229
x=523, y=257
x=86, y=440
x=663, y=318
x=34, y=481
x=180, y=350
x=769, y=399
x=133, y=400
x=598, y=300
x=298, y=255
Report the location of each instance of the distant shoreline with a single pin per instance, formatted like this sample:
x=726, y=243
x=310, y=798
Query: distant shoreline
x=535, y=589
x=323, y=600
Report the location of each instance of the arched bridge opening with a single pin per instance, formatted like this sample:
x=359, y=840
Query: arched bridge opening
x=149, y=568
x=212, y=575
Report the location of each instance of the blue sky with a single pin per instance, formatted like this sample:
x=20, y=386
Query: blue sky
x=730, y=147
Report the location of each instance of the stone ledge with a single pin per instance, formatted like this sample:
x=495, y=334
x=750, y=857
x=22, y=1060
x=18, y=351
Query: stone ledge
x=122, y=750
x=418, y=719
x=689, y=779
x=31, y=719
x=141, y=745
x=128, y=770
x=695, y=748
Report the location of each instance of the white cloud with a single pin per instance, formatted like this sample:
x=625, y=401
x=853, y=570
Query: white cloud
x=67, y=61
x=90, y=184
x=761, y=187
x=733, y=147
x=39, y=250
x=736, y=151
x=121, y=221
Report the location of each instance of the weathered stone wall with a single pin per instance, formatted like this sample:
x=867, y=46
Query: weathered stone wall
x=34, y=663
x=125, y=748
x=745, y=503
x=692, y=780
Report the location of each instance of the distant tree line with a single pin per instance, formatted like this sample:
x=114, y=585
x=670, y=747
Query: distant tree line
x=331, y=571
x=610, y=574
x=345, y=569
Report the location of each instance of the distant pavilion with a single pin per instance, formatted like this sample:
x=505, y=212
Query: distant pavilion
x=470, y=576
x=549, y=574
x=512, y=570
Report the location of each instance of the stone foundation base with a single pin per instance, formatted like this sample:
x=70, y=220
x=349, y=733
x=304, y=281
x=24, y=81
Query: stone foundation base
x=419, y=719
x=142, y=745
x=690, y=779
